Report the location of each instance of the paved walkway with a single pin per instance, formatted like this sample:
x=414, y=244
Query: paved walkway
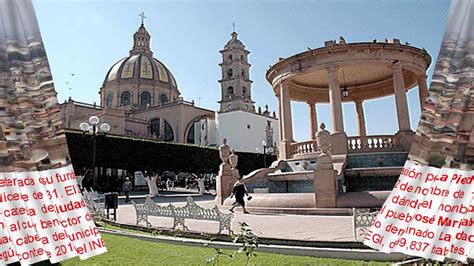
x=281, y=226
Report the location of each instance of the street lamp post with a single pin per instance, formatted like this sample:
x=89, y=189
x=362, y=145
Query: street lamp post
x=267, y=150
x=94, y=129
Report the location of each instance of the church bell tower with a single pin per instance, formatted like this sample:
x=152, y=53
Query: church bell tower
x=235, y=83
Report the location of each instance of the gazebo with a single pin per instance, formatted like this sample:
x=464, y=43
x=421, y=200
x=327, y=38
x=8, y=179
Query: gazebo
x=357, y=171
x=348, y=72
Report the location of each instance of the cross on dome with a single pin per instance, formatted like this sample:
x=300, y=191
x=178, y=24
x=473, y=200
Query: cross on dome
x=142, y=15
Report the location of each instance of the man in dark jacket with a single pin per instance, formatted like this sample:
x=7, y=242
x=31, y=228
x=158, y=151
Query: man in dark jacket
x=239, y=191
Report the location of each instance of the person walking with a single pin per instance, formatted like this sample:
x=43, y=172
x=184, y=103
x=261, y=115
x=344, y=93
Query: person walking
x=127, y=187
x=239, y=191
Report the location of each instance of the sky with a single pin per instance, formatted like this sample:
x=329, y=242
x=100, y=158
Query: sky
x=87, y=37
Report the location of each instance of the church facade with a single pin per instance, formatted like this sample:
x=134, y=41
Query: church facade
x=140, y=97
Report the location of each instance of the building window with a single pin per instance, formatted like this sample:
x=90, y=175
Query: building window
x=230, y=90
x=243, y=73
x=154, y=127
x=108, y=100
x=230, y=57
x=145, y=98
x=230, y=73
x=244, y=91
x=242, y=57
x=163, y=98
x=269, y=133
x=125, y=98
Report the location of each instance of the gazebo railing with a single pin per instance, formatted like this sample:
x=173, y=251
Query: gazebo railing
x=304, y=147
x=373, y=143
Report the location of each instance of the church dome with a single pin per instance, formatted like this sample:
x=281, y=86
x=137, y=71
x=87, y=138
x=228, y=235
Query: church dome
x=140, y=67
x=138, y=80
x=140, y=64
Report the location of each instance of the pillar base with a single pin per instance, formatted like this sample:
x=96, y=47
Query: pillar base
x=339, y=143
x=285, y=150
x=325, y=183
x=224, y=183
x=405, y=138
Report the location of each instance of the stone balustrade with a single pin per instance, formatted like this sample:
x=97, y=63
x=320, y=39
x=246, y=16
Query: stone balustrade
x=357, y=144
x=304, y=147
x=380, y=143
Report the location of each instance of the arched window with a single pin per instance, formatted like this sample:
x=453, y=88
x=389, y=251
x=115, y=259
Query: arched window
x=242, y=57
x=230, y=57
x=154, y=129
x=145, y=98
x=244, y=91
x=230, y=90
x=125, y=98
x=163, y=98
x=190, y=138
x=169, y=135
x=230, y=73
x=108, y=100
x=243, y=73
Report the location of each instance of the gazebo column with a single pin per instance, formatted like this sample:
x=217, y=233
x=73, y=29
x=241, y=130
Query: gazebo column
x=286, y=123
x=404, y=135
x=280, y=118
x=335, y=99
x=401, y=99
x=339, y=137
x=422, y=90
x=360, y=118
x=313, y=119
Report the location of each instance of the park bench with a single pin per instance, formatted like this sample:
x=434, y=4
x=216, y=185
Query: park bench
x=362, y=221
x=179, y=214
x=96, y=204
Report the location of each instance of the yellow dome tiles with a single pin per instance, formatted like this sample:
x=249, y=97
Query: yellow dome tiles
x=129, y=67
x=162, y=74
x=146, y=71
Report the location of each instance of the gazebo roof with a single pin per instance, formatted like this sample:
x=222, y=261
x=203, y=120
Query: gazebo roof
x=365, y=68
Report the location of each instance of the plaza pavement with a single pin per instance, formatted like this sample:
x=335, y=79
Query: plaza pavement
x=280, y=226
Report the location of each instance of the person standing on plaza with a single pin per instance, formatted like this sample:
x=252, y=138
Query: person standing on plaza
x=127, y=187
x=239, y=191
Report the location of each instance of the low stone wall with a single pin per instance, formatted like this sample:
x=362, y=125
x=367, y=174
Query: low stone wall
x=370, y=183
x=306, y=200
x=388, y=159
x=279, y=200
x=298, y=186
